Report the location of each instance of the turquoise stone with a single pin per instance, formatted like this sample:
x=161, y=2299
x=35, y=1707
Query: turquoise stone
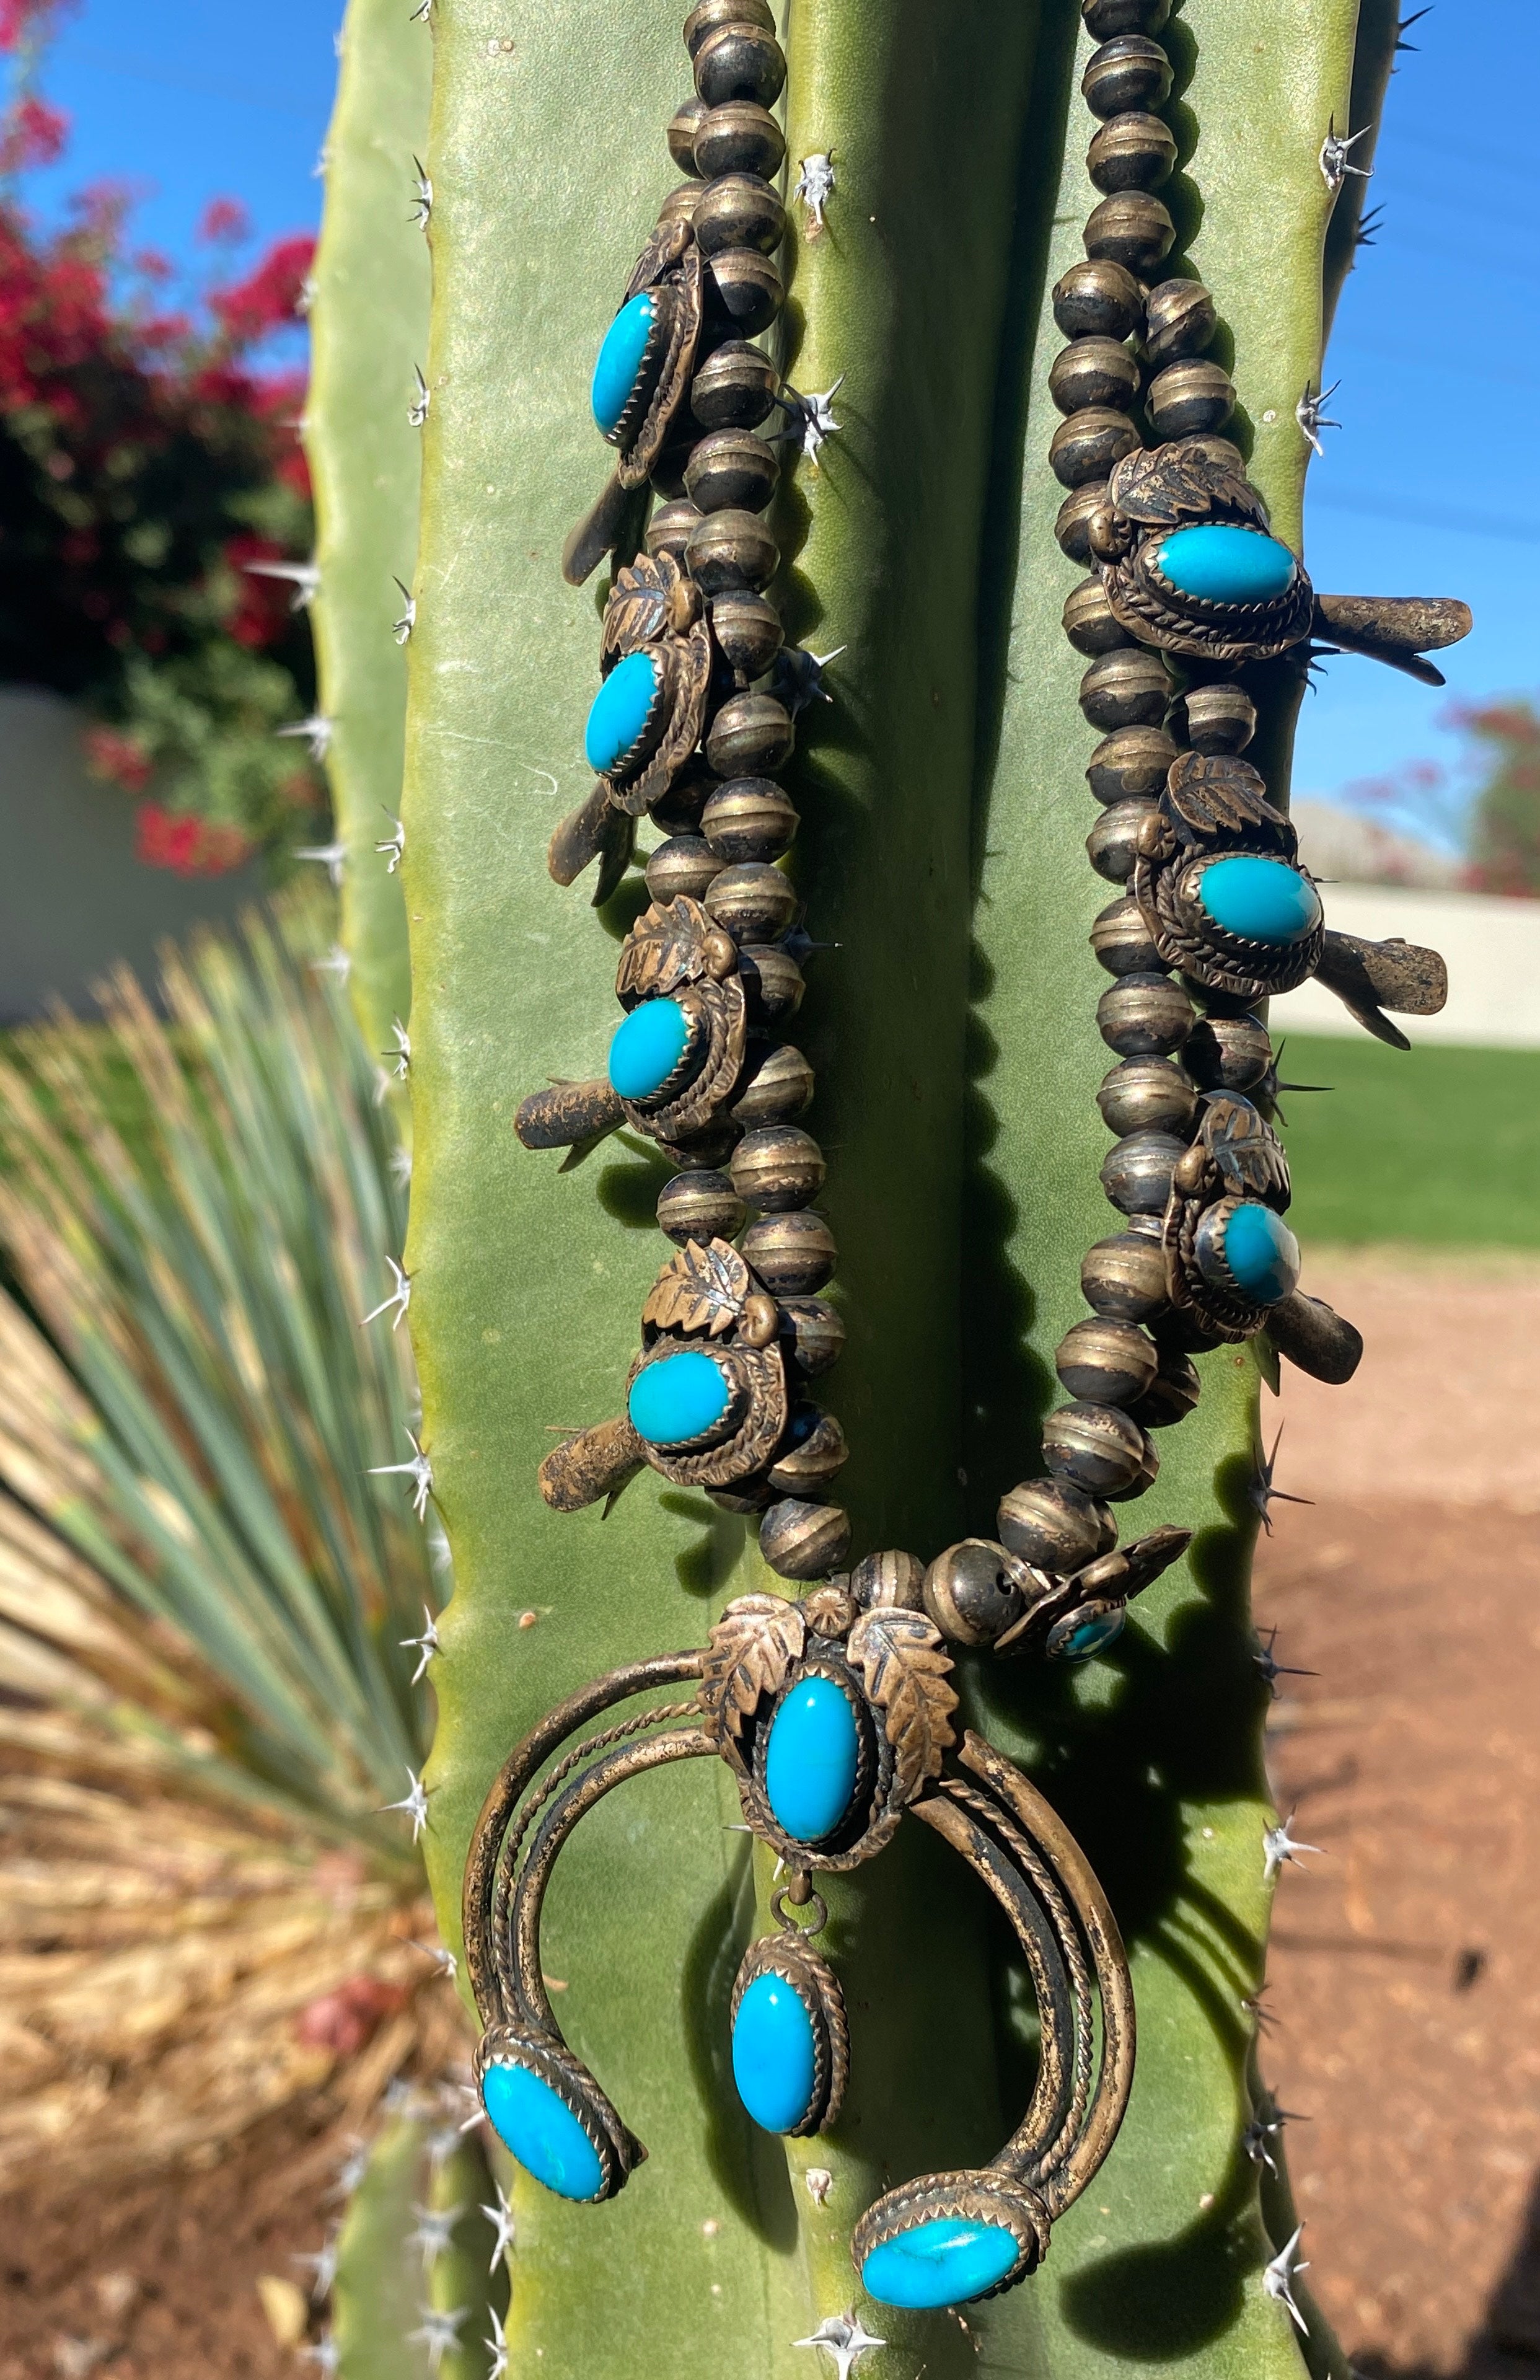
x=811, y=1760
x=939, y=2263
x=677, y=1398
x=619, y=711
x=620, y=360
x=1092, y=1636
x=1220, y=563
x=1260, y=1253
x=541, y=2130
x=1262, y=900
x=646, y=1049
x=775, y=2053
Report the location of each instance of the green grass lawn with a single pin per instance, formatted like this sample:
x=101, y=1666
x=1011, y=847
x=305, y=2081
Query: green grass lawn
x=1432, y=1144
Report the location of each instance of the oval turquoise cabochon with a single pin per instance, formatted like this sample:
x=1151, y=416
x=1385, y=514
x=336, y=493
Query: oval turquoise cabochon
x=1262, y=900
x=811, y=1760
x=647, y=1047
x=1221, y=563
x=540, y=2130
x=775, y=2053
x=619, y=711
x=939, y=2263
x=620, y=360
x=677, y=1398
x=1261, y=1253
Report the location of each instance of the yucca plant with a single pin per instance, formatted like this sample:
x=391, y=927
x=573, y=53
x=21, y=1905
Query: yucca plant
x=205, y=1592
x=952, y=1035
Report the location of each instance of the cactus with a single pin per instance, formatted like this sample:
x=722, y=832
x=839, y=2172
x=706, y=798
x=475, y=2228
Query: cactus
x=369, y=318
x=951, y=1034
x=413, y=2296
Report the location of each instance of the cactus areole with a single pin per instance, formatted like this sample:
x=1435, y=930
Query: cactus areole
x=830, y=1704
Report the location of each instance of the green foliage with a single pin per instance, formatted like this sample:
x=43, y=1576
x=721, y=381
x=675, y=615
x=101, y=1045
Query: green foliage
x=954, y=1040
x=368, y=328
x=1442, y=1148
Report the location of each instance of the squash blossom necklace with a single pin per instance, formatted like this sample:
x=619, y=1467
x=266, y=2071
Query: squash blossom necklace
x=834, y=1712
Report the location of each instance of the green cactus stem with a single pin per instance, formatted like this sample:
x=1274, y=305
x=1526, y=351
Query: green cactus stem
x=369, y=335
x=398, y=2292
x=953, y=1034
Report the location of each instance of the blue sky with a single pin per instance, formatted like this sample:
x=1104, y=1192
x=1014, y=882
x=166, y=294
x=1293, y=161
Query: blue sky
x=1436, y=345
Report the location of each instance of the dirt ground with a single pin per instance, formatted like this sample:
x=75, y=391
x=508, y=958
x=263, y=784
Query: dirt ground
x=1405, y=1971
x=1404, y=1999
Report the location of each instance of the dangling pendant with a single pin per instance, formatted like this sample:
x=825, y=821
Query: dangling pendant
x=835, y=1721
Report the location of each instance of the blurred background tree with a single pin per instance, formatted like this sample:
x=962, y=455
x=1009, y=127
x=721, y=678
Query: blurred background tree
x=154, y=497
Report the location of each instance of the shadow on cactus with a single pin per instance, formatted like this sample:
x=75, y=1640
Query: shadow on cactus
x=206, y=1702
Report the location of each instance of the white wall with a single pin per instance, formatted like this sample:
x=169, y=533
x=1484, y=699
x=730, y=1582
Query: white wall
x=1492, y=949
x=73, y=898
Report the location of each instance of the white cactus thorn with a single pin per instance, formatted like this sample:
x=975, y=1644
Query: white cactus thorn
x=801, y=676
x=1311, y=420
x=353, y=2167
x=422, y=206
x=303, y=577
x=821, y=2181
x=501, y=2217
x=439, y=1552
x=401, y=1167
x=1263, y=2130
x=435, y=2227
x=844, y=2337
x=316, y=731
x=392, y=850
x=422, y=396
x=401, y=1056
x=324, y=2267
x=440, y=2332
x=425, y=1646
x=815, y=187
x=1279, y=2278
x=415, y=1804
x=395, y=1304
x=333, y=857
x=323, y=2352
x=403, y=627
x=445, y=1961
x=336, y=964
x=419, y=1471
x=497, y=2345
x=420, y=15
x=1335, y=161
x=1280, y=1847
x=810, y=419
x=382, y=1086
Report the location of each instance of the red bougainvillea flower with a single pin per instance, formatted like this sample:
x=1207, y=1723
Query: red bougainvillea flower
x=270, y=295
x=30, y=21
x=116, y=757
x=34, y=134
x=187, y=846
x=224, y=224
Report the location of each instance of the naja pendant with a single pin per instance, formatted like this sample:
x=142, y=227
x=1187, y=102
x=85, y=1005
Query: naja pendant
x=837, y=1723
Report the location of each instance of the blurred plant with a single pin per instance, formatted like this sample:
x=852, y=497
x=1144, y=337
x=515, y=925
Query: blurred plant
x=1486, y=806
x=150, y=473
x=1504, y=832
x=206, y=1695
